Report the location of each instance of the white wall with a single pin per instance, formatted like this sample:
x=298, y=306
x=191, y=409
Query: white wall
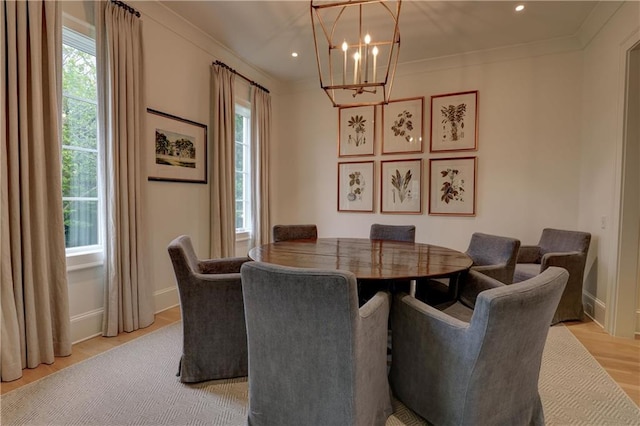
x=601, y=145
x=528, y=167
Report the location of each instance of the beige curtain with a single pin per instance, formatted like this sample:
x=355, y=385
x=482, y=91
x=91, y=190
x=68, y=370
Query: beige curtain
x=260, y=142
x=35, y=301
x=223, y=229
x=129, y=303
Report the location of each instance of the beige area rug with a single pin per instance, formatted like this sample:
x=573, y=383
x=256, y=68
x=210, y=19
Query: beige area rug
x=136, y=384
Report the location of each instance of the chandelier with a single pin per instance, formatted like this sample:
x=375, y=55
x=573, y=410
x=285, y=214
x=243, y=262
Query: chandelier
x=357, y=44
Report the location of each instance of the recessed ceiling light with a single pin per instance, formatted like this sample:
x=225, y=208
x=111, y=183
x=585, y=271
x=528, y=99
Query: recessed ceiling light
x=520, y=8
x=294, y=54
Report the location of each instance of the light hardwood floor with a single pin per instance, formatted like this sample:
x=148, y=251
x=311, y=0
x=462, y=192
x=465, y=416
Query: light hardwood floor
x=619, y=357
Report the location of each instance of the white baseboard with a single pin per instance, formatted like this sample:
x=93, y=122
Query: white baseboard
x=89, y=324
x=594, y=308
x=86, y=325
x=166, y=298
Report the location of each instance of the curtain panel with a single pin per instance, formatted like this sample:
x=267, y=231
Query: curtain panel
x=223, y=229
x=35, y=303
x=129, y=303
x=260, y=143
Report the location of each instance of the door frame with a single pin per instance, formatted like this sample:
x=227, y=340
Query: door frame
x=620, y=319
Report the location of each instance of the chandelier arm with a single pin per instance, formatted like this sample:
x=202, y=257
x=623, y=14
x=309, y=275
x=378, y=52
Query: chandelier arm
x=344, y=3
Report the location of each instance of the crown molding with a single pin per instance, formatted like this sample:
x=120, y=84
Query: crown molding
x=597, y=19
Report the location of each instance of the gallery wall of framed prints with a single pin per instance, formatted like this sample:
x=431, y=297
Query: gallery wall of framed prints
x=446, y=171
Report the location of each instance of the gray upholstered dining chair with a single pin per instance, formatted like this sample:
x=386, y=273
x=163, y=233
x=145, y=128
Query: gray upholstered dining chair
x=566, y=249
x=294, y=232
x=404, y=233
x=481, y=372
x=393, y=232
x=214, y=344
x=315, y=358
x=492, y=255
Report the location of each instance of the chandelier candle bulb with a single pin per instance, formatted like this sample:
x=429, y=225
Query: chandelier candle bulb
x=367, y=40
x=356, y=56
x=374, y=51
x=360, y=62
x=345, y=47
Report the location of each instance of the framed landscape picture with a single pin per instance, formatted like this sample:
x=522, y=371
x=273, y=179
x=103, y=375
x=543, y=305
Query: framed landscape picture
x=356, y=186
x=452, y=187
x=402, y=127
x=356, y=128
x=178, y=148
x=454, y=122
x=401, y=187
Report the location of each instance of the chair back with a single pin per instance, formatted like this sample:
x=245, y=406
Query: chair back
x=183, y=257
x=559, y=241
x=507, y=334
x=302, y=336
x=485, y=250
x=294, y=232
x=393, y=232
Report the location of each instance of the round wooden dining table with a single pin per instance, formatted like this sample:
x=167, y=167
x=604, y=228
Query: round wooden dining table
x=366, y=259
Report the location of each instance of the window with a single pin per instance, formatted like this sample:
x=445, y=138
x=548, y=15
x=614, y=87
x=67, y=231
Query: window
x=80, y=155
x=243, y=169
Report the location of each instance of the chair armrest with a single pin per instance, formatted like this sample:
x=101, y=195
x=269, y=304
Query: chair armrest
x=211, y=278
x=475, y=283
x=528, y=254
x=371, y=347
x=227, y=265
x=430, y=315
x=497, y=272
x=430, y=356
x=572, y=261
x=373, y=324
x=373, y=305
x=206, y=296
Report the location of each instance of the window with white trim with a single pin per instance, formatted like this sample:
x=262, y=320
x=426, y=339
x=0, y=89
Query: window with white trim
x=80, y=154
x=243, y=169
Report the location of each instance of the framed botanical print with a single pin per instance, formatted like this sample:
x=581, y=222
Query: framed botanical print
x=402, y=127
x=401, y=186
x=452, y=186
x=178, y=148
x=454, y=122
x=356, y=128
x=355, y=186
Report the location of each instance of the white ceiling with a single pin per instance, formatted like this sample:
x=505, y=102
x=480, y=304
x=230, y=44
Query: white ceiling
x=264, y=33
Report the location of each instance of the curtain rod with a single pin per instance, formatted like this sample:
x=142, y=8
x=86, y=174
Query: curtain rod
x=253, y=83
x=126, y=7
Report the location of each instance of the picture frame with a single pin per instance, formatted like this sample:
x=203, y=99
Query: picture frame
x=356, y=131
x=356, y=186
x=454, y=122
x=402, y=124
x=401, y=186
x=177, y=150
x=452, y=186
